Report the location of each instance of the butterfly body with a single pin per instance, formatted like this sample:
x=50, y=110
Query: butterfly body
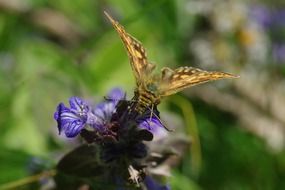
x=150, y=87
x=143, y=100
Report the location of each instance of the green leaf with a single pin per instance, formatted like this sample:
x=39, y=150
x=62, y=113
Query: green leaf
x=81, y=162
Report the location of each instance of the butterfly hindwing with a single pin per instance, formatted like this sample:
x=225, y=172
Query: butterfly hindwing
x=173, y=81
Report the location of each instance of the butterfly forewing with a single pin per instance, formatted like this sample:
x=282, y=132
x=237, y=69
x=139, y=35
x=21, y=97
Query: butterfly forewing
x=136, y=52
x=184, y=77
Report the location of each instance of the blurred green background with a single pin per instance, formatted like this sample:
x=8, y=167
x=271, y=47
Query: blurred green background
x=52, y=50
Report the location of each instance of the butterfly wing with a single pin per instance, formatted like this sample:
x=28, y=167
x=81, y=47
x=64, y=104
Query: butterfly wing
x=136, y=52
x=173, y=81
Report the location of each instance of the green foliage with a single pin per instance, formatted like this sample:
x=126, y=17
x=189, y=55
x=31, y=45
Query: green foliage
x=234, y=158
x=38, y=70
x=12, y=165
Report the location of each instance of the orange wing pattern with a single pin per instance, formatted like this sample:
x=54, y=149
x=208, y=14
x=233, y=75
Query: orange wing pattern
x=136, y=52
x=171, y=81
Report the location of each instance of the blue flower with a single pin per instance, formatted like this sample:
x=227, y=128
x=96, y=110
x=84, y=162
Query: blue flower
x=104, y=110
x=152, y=124
x=72, y=120
x=262, y=15
x=118, y=134
x=268, y=18
x=151, y=184
x=278, y=51
x=116, y=94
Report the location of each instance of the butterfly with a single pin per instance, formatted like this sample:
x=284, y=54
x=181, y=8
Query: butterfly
x=151, y=87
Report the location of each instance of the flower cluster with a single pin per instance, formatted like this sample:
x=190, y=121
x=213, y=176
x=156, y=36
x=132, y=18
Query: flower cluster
x=80, y=115
x=272, y=22
x=118, y=135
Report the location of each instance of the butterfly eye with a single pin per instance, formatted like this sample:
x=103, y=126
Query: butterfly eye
x=151, y=87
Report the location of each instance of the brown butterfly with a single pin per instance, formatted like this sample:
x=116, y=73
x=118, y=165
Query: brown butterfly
x=150, y=87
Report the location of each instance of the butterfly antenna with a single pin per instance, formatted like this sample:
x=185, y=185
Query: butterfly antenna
x=111, y=99
x=151, y=111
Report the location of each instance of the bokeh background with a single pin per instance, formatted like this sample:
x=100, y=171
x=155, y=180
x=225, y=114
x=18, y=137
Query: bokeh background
x=51, y=50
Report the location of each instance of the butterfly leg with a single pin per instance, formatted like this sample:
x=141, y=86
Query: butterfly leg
x=152, y=113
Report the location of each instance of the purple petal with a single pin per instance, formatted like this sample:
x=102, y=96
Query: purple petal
x=262, y=15
x=278, y=17
x=104, y=111
x=116, y=94
x=69, y=120
x=57, y=116
x=155, y=127
x=56, y=113
x=278, y=52
x=151, y=124
x=73, y=128
x=153, y=185
x=60, y=108
x=78, y=104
